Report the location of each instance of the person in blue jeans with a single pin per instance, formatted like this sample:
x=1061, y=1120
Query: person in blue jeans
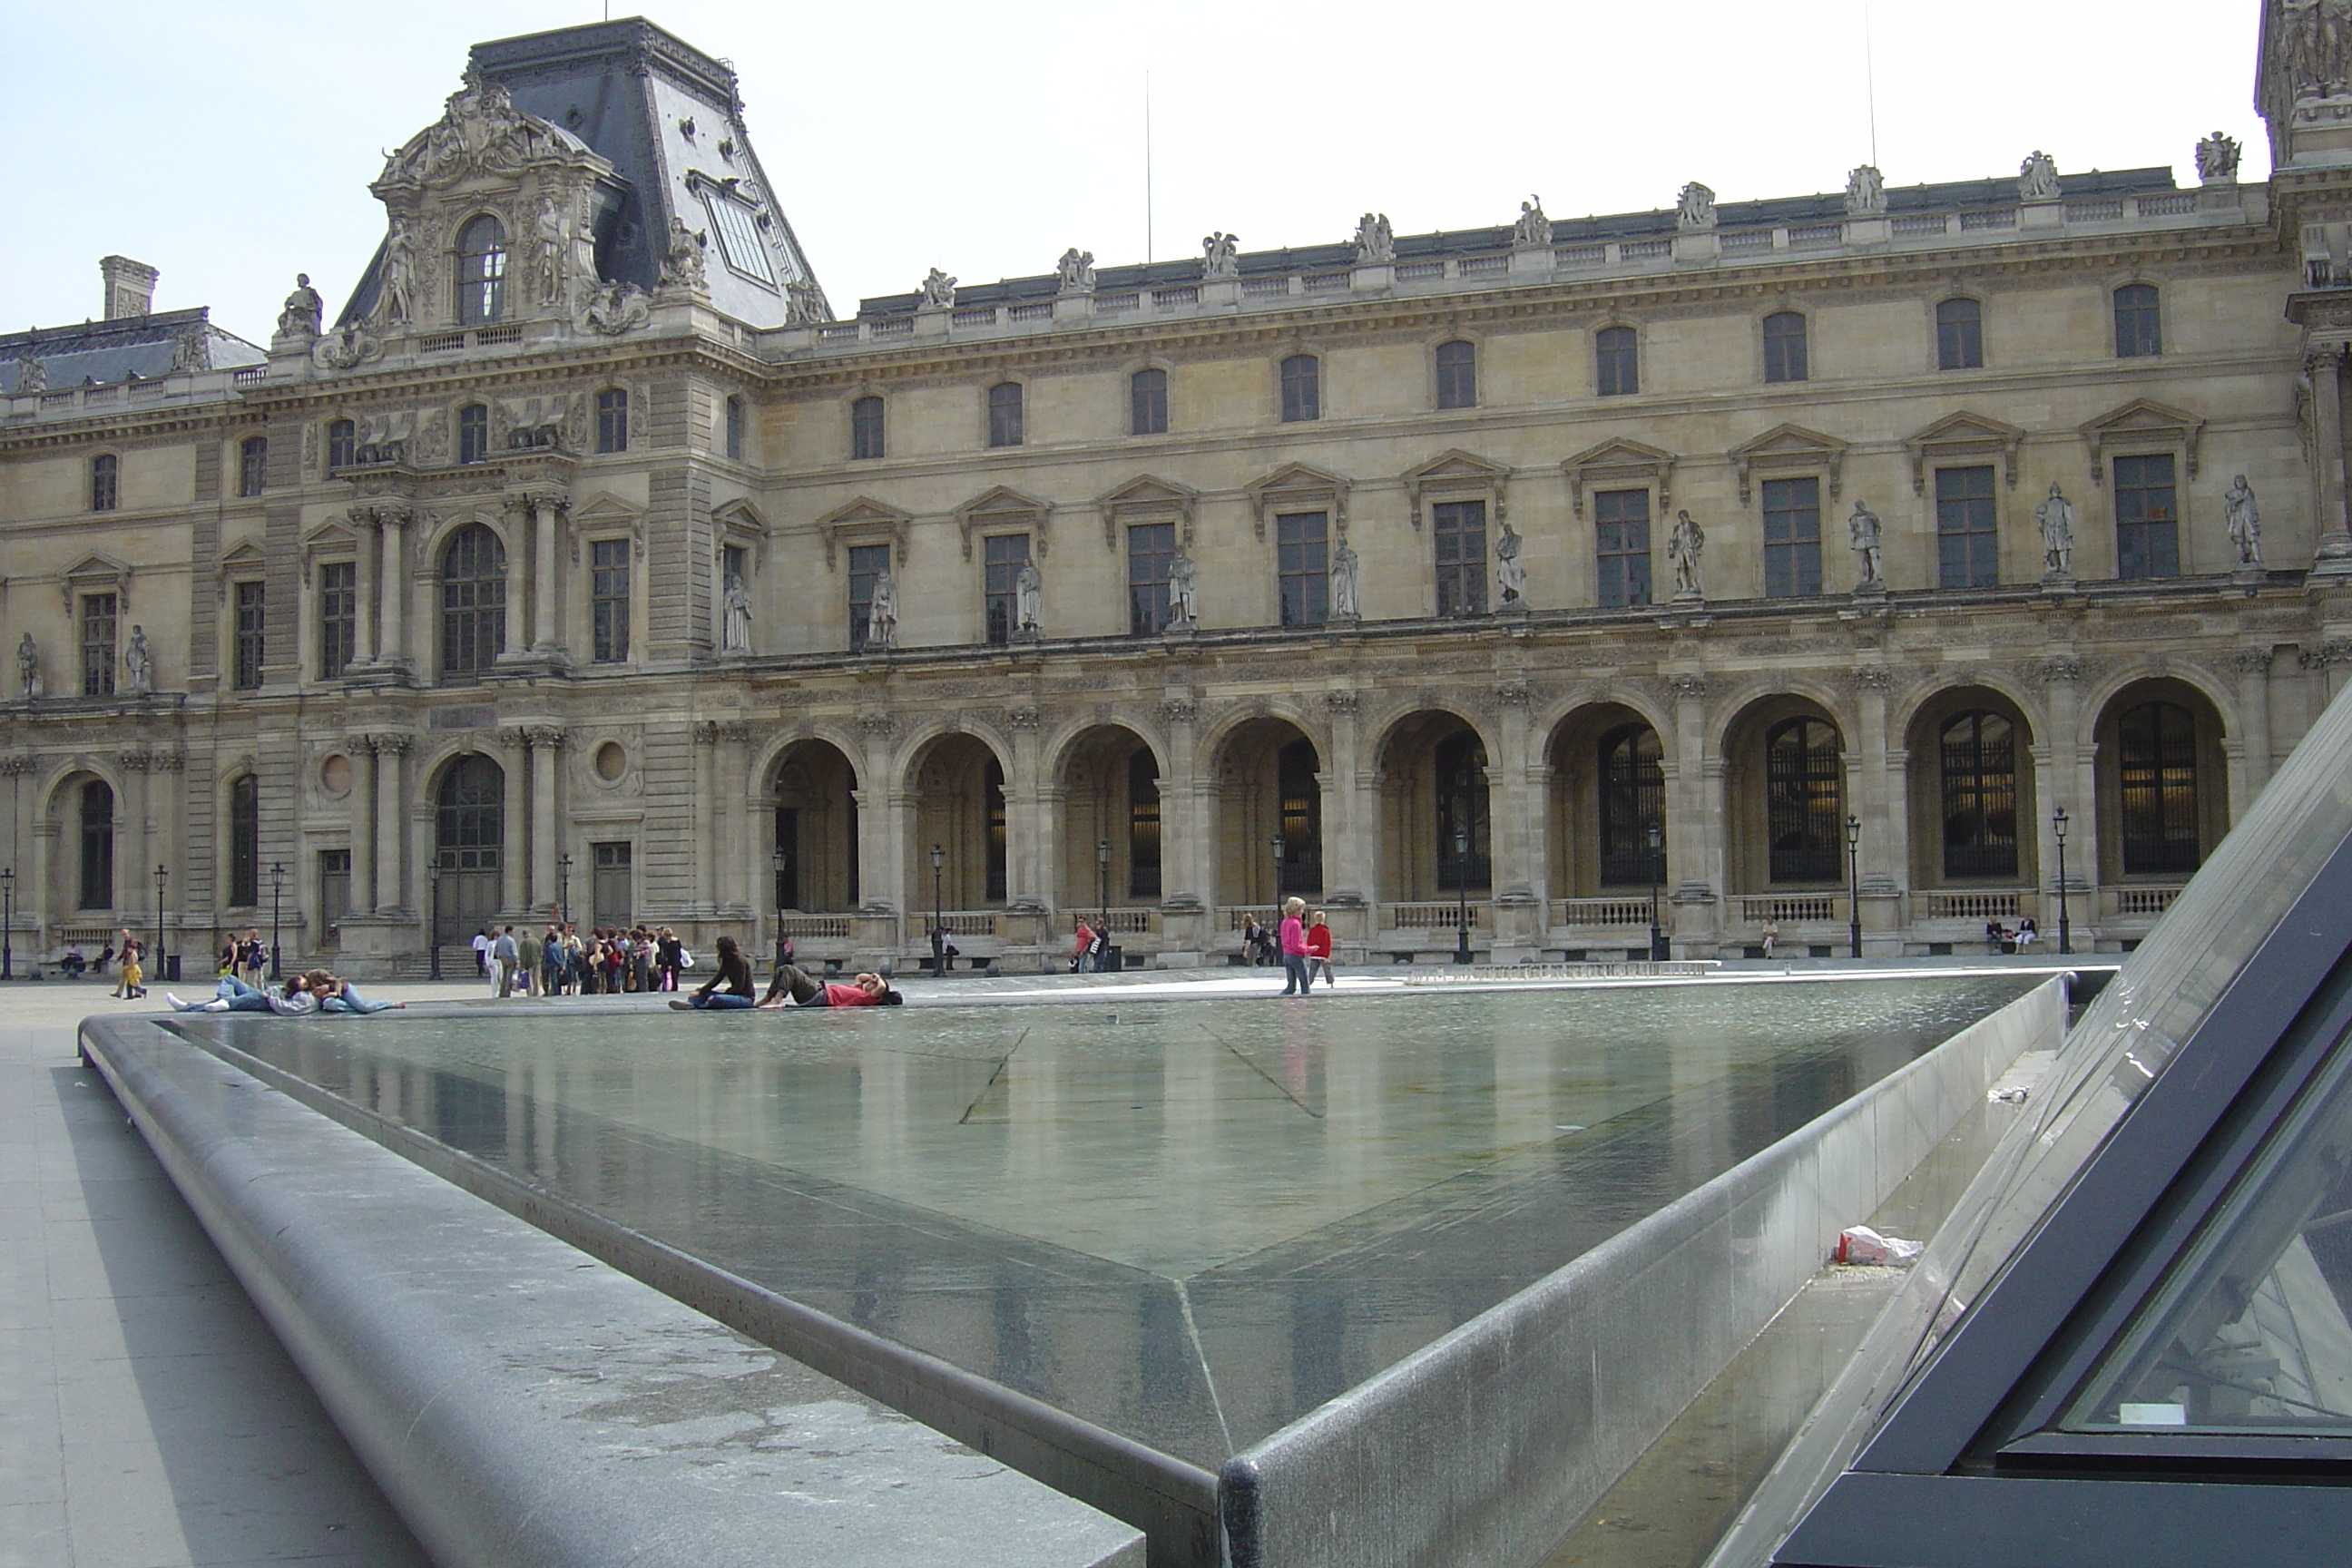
x=233, y=996
x=731, y=987
x=337, y=994
x=1292, y=938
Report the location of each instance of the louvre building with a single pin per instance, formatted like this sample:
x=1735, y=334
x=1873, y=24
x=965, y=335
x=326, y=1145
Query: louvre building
x=1891, y=560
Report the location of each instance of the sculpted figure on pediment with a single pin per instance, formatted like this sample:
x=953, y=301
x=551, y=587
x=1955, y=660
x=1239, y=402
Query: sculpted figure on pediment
x=1375, y=240
x=1075, y=271
x=1533, y=228
x=1221, y=255
x=1865, y=193
x=937, y=292
x=1695, y=209
x=2037, y=177
x=2217, y=157
x=803, y=306
x=396, y=301
x=480, y=132
x=682, y=266
x=616, y=308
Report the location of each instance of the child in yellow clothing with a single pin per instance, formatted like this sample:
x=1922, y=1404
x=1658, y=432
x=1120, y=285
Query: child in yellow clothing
x=133, y=976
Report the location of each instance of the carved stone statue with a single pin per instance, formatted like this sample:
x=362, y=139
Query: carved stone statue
x=396, y=301
x=138, y=664
x=1184, y=601
x=1345, y=565
x=938, y=291
x=803, y=305
x=882, y=613
x=1684, y=546
x=2037, y=178
x=2055, y=517
x=1695, y=209
x=1533, y=228
x=735, y=618
x=2314, y=46
x=548, y=245
x=613, y=309
x=1862, y=534
x=299, y=321
x=2245, y=521
x=1076, y=270
x=1510, y=573
x=2217, y=158
x=347, y=347
x=29, y=666
x=1375, y=240
x=32, y=373
x=1865, y=193
x=1029, y=600
x=682, y=264
x=191, y=352
x=1221, y=255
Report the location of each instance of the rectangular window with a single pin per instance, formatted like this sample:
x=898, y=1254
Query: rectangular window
x=474, y=434
x=867, y=562
x=2148, y=538
x=2139, y=327
x=1792, y=537
x=334, y=890
x=1457, y=376
x=1959, y=335
x=250, y=625
x=1146, y=402
x=1784, y=347
x=1622, y=523
x=1302, y=389
x=1303, y=567
x=608, y=599
x=342, y=445
x=1151, y=550
x=734, y=416
x=252, y=466
x=613, y=895
x=1004, y=555
x=1460, y=531
x=1143, y=827
x=865, y=429
x=739, y=245
x=339, y=617
x=1968, y=546
x=98, y=645
x=1618, y=358
x=1005, y=413
x=103, y=470
x=613, y=421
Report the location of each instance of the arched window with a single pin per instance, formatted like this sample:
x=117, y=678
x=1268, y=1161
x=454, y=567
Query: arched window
x=1302, y=389
x=2157, y=770
x=1617, y=358
x=252, y=465
x=342, y=445
x=1959, y=335
x=1633, y=796
x=474, y=434
x=1457, y=376
x=473, y=604
x=1980, y=764
x=613, y=420
x=97, y=891
x=867, y=431
x=1784, y=347
x=481, y=271
x=2138, y=330
x=1462, y=825
x=1142, y=824
x=104, y=469
x=1146, y=402
x=469, y=843
x=244, y=842
x=1804, y=782
x=1005, y=413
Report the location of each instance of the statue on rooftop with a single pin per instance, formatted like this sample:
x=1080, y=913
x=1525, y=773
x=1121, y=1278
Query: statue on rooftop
x=2217, y=158
x=803, y=305
x=395, y=298
x=2245, y=521
x=303, y=310
x=1695, y=209
x=32, y=373
x=1221, y=255
x=682, y=264
x=1533, y=228
x=1075, y=271
x=1865, y=193
x=1375, y=240
x=938, y=291
x=1684, y=546
x=2055, y=517
x=1863, y=536
x=2037, y=178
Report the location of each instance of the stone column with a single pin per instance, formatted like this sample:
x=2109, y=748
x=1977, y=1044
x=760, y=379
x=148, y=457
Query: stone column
x=366, y=553
x=361, y=752
x=517, y=639
x=1029, y=880
x=167, y=803
x=47, y=900
x=1696, y=844
x=2254, y=666
x=391, y=586
x=2069, y=780
x=703, y=836
x=546, y=742
x=514, y=760
x=2332, y=555
x=1884, y=860
x=1351, y=816
x=731, y=807
x=133, y=829
x=392, y=886
x=1183, y=891
x=1514, y=815
x=547, y=631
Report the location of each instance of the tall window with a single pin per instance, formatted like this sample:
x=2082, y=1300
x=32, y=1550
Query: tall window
x=1302, y=389
x=342, y=445
x=97, y=628
x=339, y=617
x=1633, y=796
x=474, y=433
x=1980, y=759
x=733, y=418
x=252, y=465
x=608, y=599
x=1460, y=766
x=1622, y=526
x=613, y=420
x=1792, y=537
x=104, y=469
x=1968, y=547
x=612, y=866
x=244, y=842
x=473, y=604
x=1005, y=413
x=2158, y=771
x=866, y=428
x=469, y=826
x=334, y=888
x=251, y=622
x=1617, y=358
x=1003, y=557
x=1303, y=567
x=1459, y=531
x=1784, y=347
x=1142, y=824
x=97, y=892
x=481, y=271
x=2138, y=330
x=1151, y=550
x=2148, y=527
x=867, y=562
x=1457, y=376
x=1146, y=402
x=1959, y=335
x=1804, y=783
x=1302, y=818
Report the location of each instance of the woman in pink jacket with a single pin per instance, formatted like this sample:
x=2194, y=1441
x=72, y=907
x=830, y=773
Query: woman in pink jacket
x=1293, y=937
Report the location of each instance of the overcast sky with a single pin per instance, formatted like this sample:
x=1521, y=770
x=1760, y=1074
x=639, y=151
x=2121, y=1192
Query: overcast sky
x=231, y=143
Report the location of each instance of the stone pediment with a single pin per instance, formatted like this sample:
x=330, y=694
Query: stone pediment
x=1143, y=499
x=1787, y=448
x=247, y=557
x=1620, y=460
x=482, y=133
x=1002, y=505
x=1459, y=473
x=863, y=521
x=739, y=516
x=2144, y=425
x=1960, y=436
x=99, y=573
x=604, y=507
x=1296, y=486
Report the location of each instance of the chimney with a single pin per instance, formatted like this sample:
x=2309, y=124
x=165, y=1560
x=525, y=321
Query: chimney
x=130, y=286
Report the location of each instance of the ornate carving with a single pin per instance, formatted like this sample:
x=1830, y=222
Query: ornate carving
x=2037, y=178
x=1514, y=693
x=682, y=266
x=1532, y=227
x=937, y=292
x=544, y=737
x=1695, y=210
x=1178, y=711
x=1024, y=717
x=2252, y=661
x=1340, y=701
x=1865, y=193
x=1221, y=257
x=132, y=762
x=877, y=726
x=706, y=733
x=1874, y=677
x=389, y=744
x=480, y=132
x=2337, y=651
x=18, y=766
x=738, y=729
x=2217, y=158
x=1692, y=687
x=612, y=309
x=167, y=761
x=2061, y=669
x=1375, y=240
x=1075, y=272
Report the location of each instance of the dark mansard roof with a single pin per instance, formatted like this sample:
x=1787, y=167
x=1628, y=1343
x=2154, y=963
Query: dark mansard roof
x=129, y=348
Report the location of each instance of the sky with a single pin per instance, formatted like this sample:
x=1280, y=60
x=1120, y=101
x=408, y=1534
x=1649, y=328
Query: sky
x=230, y=144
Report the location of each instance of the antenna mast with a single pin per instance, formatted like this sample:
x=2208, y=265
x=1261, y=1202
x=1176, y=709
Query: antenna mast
x=1870, y=80
x=1146, y=167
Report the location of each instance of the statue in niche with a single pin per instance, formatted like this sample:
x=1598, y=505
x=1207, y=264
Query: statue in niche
x=1221, y=255
x=682, y=264
x=1029, y=600
x=1865, y=193
x=735, y=618
x=1862, y=534
x=1695, y=209
x=2037, y=177
x=2217, y=158
x=303, y=310
x=1533, y=228
x=1510, y=573
x=396, y=292
x=937, y=292
x=548, y=241
x=1345, y=565
x=2055, y=517
x=29, y=666
x=1183, y=582
x=1684, y=546
x=2245, y=521
x=138, y=664
x=882, y=613
x=1075, y=271
x=1375, y=240
x=2314, y=45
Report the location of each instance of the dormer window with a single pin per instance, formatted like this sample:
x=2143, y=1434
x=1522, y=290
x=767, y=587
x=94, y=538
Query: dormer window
x=740, y=244
x=481, y=271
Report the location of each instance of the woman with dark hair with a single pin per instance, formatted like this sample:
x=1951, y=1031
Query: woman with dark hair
x=734, y=976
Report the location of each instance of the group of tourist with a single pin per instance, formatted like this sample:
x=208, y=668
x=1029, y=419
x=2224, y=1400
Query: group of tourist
x=562, y=962
x=313, y=991
x=244, y=957
x=732, y=987
x=2002, y=939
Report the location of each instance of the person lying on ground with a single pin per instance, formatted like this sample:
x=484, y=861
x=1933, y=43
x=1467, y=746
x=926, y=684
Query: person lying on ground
x=336, y=994
x=731, y=987
x=233, y=996
x=806, y=991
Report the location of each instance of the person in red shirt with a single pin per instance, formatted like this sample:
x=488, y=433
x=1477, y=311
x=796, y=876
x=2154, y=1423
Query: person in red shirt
x=806, y=991
x=1318, y=952
x=1086, y=942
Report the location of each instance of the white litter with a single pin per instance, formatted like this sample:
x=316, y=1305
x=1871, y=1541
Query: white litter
x=1862, y=1245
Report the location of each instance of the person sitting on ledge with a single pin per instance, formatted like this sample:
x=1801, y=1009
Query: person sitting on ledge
x=731, y=987
x=865, y=991
x=233, y=996
x=336, y=994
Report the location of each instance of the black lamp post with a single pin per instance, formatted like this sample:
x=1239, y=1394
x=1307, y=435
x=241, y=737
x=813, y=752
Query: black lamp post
x=1460, y=892
x=1657, y=836
x=1102, y=883
x=1279, y=845
x=433, y=937
x=277, y=895
x=157, y=969
x=7, y=922
x=2065, y=928
x=938, y=912
x=562, y=888
x=776, y=864
x=1854, y=881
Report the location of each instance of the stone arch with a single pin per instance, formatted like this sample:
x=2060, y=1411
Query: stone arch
x=1971, y=787
x=2160, y=780
x=1435, y=763
x=1268, y=776
x=1607, y=760
x=956, y=782
x=1786, y=794
x=74, y=879
x=467, y=798
x=810, y=788
x=1109, y=776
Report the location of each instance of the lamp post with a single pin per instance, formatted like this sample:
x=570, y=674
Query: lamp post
x=276, y=893
x=1854, y=881
x=938, y=914
x=2065, y=928
x=776, y=865
x=562, y=888
x=1460, y=892
x=1280, y=844
x=433, y=937
x=7, y=922
x=1102, y=893
x=1657, y=836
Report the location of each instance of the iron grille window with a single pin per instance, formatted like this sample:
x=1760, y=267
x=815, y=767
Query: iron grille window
x=1967, y=542
x=2157, y=775
x=993, y=793
x=1303, y=567
x=614, y=866
x=244, y=842
x=613, y=420
x=470, y=826
x=1617, y=359
x=2139, y=332
x=1979, y=762
x=339, y=617
x=1633, y=796
x=1460, y=763
x=251, y=623
x=334, y=888
x=104, y=470
x=1146, y=402
x=1142, y=824
x=342, y=445
x=1959, y=335
x=1804, y=783
x=474, y=434
x=867, y=562
x=97, y=889
x=1302, y=389
x=1457, y=376
x=608, y=599
x=1458, y=530
x=1151, y=550
x=867, y=428
x=252, y=465
x=473, y=604
x=481, y=271
x=1002, y=557
x=734, y=440
x=98, y=629
x=1792, y=537
x=1622, y=527
x=1302, y=819
x=1784, y=347
x=2147, y=529
x=1005, y=413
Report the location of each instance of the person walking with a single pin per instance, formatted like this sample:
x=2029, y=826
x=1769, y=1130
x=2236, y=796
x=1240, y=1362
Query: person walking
x=134, y=971
x=505, y=954
x=1318, y=952
x=482, y=956
x=670, y=957
x=1081, y=946
x=1292, y=937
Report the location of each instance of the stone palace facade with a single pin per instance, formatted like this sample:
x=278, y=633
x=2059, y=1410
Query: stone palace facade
x=588, y=562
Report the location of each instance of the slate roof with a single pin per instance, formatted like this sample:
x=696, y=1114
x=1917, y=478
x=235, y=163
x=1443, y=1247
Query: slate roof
x=140, y=348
